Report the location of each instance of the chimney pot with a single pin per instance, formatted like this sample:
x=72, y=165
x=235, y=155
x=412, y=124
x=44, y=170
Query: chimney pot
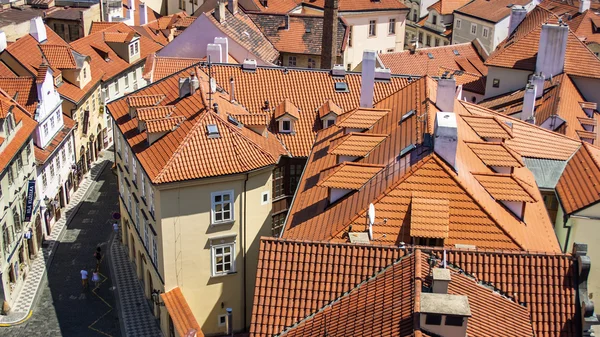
x=552, y=49
x=232, y=89
x=367, y=84
x=213, y=53
x=538, y=82
x=517, y=15
x=441, y=280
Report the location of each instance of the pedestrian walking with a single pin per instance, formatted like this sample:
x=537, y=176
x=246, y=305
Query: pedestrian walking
x=84, y=278
x=116, y=227
x=96, y=278
x=98, y=256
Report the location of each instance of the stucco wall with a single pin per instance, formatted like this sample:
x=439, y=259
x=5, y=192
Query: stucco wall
x=463, y=34
x=588, y=88
x=510, y=80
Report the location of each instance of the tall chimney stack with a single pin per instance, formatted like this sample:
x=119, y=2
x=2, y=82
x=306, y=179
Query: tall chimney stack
x=528, y=112
x=552, y=49
x=517, y=15
x=584, y=5
x=330, y=27
x=367, y=84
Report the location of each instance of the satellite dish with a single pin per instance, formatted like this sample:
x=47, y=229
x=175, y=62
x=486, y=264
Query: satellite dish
x=371, y=214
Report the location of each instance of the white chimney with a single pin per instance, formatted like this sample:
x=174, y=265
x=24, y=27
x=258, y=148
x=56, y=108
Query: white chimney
x=213, y=53
x=224, y=48
x=131, y=4
x=441, y=280
x=233, y=6
x=249, y=64
x=194, y=83
x=584, y=5
x=538, y=81
x=37, y=29
x=367, y=85
x=232, y=89
x=184, y=87
x=552, y=49
x=143, y=14
x=338, y=70
x=445, y=141
x=220, y=11
x=528, y=113
x=446, y=93
x=517, y=15
x=383, y=74
x=3, y=43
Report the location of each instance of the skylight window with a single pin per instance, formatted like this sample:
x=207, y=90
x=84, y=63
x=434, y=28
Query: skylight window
x=406, y=115
x=406, y=151
x=213, y=131
x=456, y=52
x=234, y=121
x=341, y=87
x=430, y=55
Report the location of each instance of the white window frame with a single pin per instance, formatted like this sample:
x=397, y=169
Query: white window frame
x=146, y=237
x=126, y=80
x=116, y=86
x=392, y=26
x=458, y=22
x=281, y=129
x=213, y=204
x=134, y=170
x=373, y=24
x=213, y=254
x=224, y=317
x=486, y=32
x=473, y=25
x=262, y=198
x=154, y=252
x=292, y=61
x=143, y=185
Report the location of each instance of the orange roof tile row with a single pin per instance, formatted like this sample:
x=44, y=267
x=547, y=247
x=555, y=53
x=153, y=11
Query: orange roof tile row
x=361, y=118
x=286, y=108
x=488, y=128
x=159, y=67
x=154, y=112
x=579, y=185
x=308, y=288
x=491, y=11
x=329, y=107
x=350, y=176
x=504, y=187
x=496, y=154
x=139, y=101
x=58, y=56
x=180, y=312
x=429, y=218
x=356, y=144
x=164, y=124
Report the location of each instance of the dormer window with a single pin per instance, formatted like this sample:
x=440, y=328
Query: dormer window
x=286, y=114
x=328, y=122
x=328, y=112
x=134, y=48
x=285, y=125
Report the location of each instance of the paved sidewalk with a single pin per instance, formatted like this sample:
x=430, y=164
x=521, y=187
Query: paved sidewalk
x=134, y=310
x=22, y=308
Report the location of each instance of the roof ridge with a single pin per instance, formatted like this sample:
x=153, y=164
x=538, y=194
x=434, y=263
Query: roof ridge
x=347, y=293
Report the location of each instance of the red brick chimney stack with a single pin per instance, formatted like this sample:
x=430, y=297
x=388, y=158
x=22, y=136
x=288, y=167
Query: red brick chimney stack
x=329, y=44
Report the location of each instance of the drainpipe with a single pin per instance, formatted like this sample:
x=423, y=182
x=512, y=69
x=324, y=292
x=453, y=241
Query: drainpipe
x=565, y=221
x=243, y=222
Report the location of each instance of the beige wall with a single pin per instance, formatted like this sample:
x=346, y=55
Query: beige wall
x=15, y=31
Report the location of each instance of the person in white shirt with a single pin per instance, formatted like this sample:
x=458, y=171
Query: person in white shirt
x=116, y=227
x=84, y=278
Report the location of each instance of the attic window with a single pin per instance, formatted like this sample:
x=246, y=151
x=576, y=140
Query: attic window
x=213, y=131
x=406, y=115
x=456, y=52
x=406, y=151
x=341, y=87
x=430, y=55
x=308, y=29
x=234, y=121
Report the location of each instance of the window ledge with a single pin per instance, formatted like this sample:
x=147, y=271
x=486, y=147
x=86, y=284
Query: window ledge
x=223, y=275
x=220, y=223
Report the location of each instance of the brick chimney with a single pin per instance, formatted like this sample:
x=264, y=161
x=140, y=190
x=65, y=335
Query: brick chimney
x=329, y=42
x=517, y=15
x=552, y=49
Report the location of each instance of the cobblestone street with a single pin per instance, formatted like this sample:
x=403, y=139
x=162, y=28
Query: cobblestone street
x=63, y=308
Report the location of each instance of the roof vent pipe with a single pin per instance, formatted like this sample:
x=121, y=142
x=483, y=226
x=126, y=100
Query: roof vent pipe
x=229, y=322
x=528, y=112
x=552, y=49
x=367, y=85
x=232, y=89
x=584, y=5
x=517, y=15
x=224, y=48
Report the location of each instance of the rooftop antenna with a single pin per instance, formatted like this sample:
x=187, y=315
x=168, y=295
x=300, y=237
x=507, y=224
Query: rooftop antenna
x=209, y=81
x=371, y=219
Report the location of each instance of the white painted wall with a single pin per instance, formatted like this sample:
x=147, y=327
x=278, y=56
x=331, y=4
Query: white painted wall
x=48, y=113
x=510, y=80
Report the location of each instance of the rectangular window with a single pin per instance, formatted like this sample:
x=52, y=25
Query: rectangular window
x=437, y=41
x=350, y=36
x=137, y=218
x=458, y=22
x=58, y=163
x=428, y=40
x=137, y=46
x=312, y=63
x=295, y=173
x=44, y=179
x=414, y=16
x=286, y=126
x=121, y=187
x=126, y=154
x=277, y=225
x=131, y=50
x=222, y=259
x=433, y=319
x=133, y=171
x=473, y=29
x=19, y=162
x=143, y=185
x=10, y=175
x=392, y=27
x=146, y=242
x=420, y=37
x=52, y=170
x=496, y=83
x=155, y=252
x=118, y=144
x=126, y=78
x=45, y=129
x=372, y=28
x=151, y=200
x=454, y=320
x=222, y=207
x=116, y=86
x=278, y=187
x=485, y=32
x=292, y=61
x=73, y=32
x=434, y=19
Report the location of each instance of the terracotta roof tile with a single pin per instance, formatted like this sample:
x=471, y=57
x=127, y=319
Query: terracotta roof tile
x=469, y=81
x=26, y=89
x=118, y=37
x=306, y=89
x=519, y=50
x=187, y=152
x=155, y=112
x=504, y=187
x=5, y=71
x=303, y=36
x=329, y=107
x=454, y=57
x=429, y=218
x=286, y=108
x=180, y=312
x=359, y=5
x=27, y=52
x=446, y=7
x=579, y=185
x=164, y=124
x=58, y=56
x=253, y=119
x=488, y=127
x=496, y=154
x=362, y=118
x=98, y=26
x=356, y=144
x=350, y=176
x=489, y=10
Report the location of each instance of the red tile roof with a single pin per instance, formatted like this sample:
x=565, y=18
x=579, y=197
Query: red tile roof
x=413, y=170
x=98, y=26
x=579, y=185
x=359, y=5
x=180, y=312
x=430, y=218
x=462, y=56
x=315, y=288
x=118, y=37
x=519, y=51
x=329, y=107
x=490, y=10
x=286, y=108
x=308, y=90
x=88, y=45
x=505, y=187
x=350, y=176
x=446, y=7
x=26, y=89
x=496, y=154
x=361, y=118
x=356, y=144
x=187, y=152
x=58, y=56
